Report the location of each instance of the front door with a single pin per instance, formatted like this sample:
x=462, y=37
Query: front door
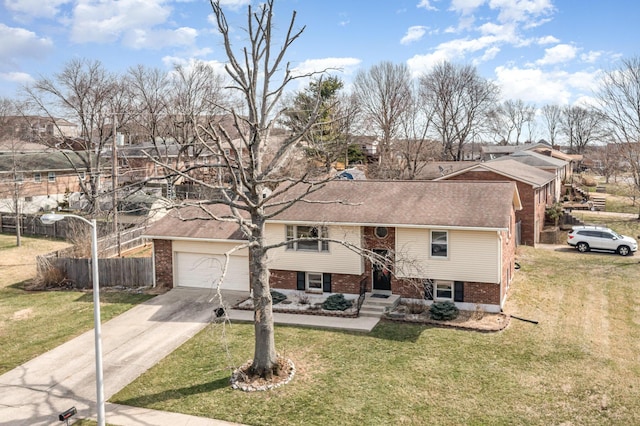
x=382, y=271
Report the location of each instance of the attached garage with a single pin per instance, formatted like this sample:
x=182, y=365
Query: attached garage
x=202, y=270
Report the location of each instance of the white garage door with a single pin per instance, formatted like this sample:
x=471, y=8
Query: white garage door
x=203, y=271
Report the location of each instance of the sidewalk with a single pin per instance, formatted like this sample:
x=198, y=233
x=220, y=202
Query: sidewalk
x=36, y=392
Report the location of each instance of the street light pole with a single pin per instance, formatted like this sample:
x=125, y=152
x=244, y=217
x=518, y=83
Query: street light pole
x=51, y=218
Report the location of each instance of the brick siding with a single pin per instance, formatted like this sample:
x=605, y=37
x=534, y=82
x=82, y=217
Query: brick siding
x=163, y=252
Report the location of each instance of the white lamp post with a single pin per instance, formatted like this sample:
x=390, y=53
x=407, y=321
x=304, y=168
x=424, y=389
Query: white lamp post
x=49, y=219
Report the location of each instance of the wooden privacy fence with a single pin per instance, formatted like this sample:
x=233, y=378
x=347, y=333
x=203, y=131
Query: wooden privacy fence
x=116, y=272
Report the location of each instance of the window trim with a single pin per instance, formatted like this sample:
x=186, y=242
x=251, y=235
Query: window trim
x=291, y=233
x=307, y=282
x=37, y=177
x=383, y=230
x=439, y=283
x=51, y=176
x=431, y=245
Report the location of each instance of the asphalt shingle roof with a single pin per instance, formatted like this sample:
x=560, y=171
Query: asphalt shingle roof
x=452, y=204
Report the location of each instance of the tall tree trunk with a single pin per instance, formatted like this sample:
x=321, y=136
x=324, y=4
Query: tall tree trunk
x=265, y=357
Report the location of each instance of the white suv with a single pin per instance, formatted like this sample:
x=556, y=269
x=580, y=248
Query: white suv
x=585, y=238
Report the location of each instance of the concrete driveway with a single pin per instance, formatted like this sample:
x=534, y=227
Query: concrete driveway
x=37, y=391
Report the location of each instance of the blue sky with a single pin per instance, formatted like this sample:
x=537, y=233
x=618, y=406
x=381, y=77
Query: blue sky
x=540, y=51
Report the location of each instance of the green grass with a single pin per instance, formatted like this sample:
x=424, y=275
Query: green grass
x=32, y=323
x=579, y=365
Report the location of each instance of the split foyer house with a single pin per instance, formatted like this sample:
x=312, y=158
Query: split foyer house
x=449, y=240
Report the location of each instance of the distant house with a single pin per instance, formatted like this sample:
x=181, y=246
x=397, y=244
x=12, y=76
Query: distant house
x=44, y=178
x=440, y=241
x=561, y=169
x=37, y=128
x=537, y=189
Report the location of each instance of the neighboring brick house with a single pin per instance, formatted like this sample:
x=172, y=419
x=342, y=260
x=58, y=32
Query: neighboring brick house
x=536, y=188
x=43, y=178
x=559, y=168
x=447, y=240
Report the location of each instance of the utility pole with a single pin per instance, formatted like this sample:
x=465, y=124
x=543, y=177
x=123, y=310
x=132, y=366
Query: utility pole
x=114, y=182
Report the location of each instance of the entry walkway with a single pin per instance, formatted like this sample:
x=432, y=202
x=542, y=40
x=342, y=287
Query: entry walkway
x=36, y=392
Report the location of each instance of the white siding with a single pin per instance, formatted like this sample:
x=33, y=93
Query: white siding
x=339, y=259
x=472, y=256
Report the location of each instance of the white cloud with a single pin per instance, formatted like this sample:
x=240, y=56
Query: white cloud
x=108, y=20
x=532, y=85
x=234, y=4
x=414, y=33
x=557, y=54
x=158, y=39
x=527, y=11
x=18, y=42
x=426, y=4
x=547, y=40
x=29, y=9
x=17, y=77
x=454, y=50
x=465, y=7
x=346, y=65
x=591, y=56
x=536, y=86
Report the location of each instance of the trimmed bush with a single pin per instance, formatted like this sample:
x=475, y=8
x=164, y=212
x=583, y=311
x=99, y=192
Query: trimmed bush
x=443, y=311
x=336, y=302
x=277, y=297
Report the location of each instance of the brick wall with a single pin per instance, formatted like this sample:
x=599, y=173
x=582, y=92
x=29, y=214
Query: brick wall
x=162, y=250
x=482, y=293
x=340, y=283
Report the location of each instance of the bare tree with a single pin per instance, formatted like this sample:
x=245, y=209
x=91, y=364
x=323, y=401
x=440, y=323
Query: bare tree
x=619, y=98
x=257, y=163
x=8, y=111
x=509, y=120
x=87, y=94
x=582, y=126
x=169, y=107
x=415, y=146
x=384, y=93
x=461, y=101
x=552, y=117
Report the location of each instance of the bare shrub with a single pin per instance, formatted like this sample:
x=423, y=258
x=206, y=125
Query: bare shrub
x=415, y=308
x=303, y=299
x=478, y=314
x=50, y=277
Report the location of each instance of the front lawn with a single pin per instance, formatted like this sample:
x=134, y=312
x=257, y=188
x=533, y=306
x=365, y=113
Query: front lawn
x=32, y=322
x=579, y=365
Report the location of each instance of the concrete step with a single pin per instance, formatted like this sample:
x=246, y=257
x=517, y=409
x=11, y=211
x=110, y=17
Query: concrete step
x=371, y=311
x=377, y=306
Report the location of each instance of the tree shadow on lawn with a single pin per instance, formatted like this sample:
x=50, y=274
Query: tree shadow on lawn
x=171, y=394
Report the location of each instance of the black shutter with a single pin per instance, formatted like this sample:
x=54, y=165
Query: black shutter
x=301, y=281
x=428, y=290
x=326, y=283
x=458, y=291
